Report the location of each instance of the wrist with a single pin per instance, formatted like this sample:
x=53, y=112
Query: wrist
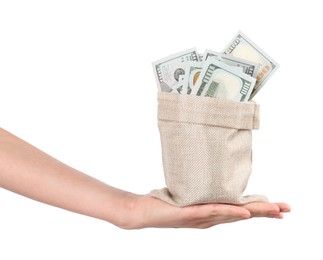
x=126, y=215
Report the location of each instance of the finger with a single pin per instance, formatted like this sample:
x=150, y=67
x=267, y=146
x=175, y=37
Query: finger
x=208, y=211
x=217, y=221
x=284, y=207
x=259, y=209
x=279, y=216
x=230, y=210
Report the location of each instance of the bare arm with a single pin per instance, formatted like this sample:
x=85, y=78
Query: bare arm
x=30, y=172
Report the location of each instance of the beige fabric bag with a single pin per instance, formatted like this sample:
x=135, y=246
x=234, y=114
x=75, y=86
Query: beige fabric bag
x=206, y=149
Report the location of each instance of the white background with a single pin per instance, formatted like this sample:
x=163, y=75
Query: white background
x=76, y=81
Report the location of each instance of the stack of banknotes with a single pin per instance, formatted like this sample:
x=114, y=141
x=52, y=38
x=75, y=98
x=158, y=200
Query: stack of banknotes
x=238, y=73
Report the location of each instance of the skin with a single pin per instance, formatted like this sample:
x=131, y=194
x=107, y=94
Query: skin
x=26, y=170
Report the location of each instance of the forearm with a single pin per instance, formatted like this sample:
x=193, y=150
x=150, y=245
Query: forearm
x=32, y=173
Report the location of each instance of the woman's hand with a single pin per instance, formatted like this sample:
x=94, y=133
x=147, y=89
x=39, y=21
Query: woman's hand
x=147, y=211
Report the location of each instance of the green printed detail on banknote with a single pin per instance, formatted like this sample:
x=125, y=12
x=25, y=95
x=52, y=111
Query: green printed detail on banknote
x=248, y=67
x=220, y=80
x=206, y=76
x=242, y=47
x=211, y=92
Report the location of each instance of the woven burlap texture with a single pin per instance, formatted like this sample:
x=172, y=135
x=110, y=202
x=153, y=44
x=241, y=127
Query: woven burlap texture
x=206, y=149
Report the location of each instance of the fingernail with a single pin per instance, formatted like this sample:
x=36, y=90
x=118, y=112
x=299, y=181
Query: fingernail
x=286, y=209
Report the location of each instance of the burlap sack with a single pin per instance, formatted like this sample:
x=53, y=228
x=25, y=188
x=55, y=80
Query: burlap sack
x=206, y=149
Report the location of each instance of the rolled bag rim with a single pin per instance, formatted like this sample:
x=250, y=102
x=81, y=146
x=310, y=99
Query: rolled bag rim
x=208, y=111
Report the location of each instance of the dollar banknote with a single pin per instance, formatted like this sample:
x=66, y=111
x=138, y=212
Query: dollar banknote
x=192, y=73
x=177, y=90
x=237, y=73
x=242, y=47
x=218, y=79
x=168, y=70
x=248, y=67
x=179, y=87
